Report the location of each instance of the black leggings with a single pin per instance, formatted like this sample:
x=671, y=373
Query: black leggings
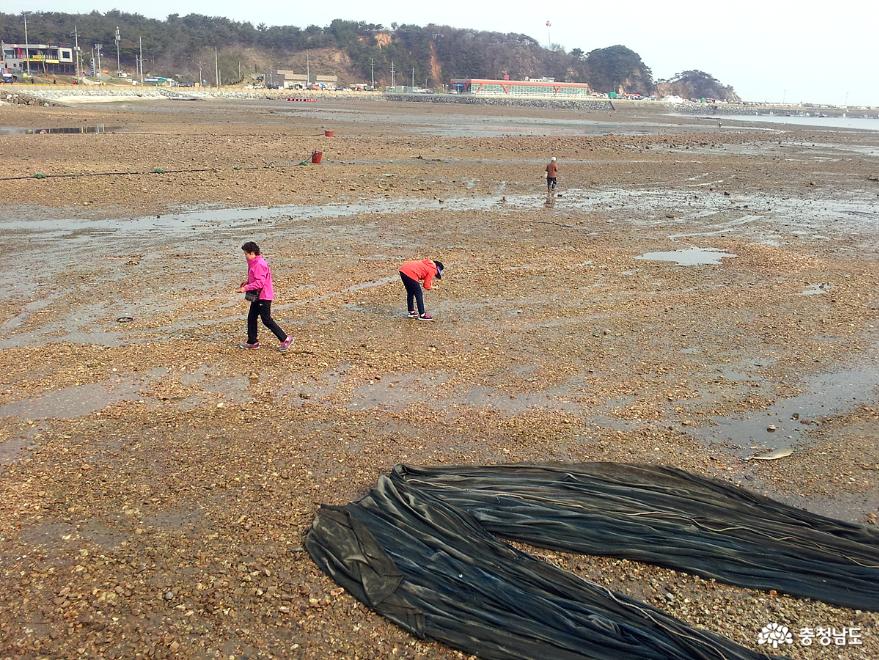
x=413, y=293
x=262, y=309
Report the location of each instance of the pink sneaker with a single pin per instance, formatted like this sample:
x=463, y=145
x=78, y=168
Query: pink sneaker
x=286, y=344
x=252, y=347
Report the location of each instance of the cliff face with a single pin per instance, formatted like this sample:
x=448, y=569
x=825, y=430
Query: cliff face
x=695, y=85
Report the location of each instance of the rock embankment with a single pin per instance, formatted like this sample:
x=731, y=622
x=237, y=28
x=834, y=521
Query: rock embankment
x=17, y=98
x=63, y=94
x=567, y=104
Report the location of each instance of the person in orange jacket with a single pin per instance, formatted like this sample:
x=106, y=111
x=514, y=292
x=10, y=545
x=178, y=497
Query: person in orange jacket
x=413, y=272
x=552, y=173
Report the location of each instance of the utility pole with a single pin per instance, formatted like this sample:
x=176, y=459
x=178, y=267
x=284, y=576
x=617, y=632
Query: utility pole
x=413, y=78
x=27, y=51
x=140, y=44
x=98, y=52
x=118, y=38
x=307, y=71
x=217, y=67
x=548, y=37
x=392, y=74
x=78, y=63
x=200, y=78
x=372, y=70
x=239, y=70
x=94, y=69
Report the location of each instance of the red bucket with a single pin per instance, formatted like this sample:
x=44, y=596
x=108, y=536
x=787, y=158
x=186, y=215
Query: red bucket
x=329, y=134
x=316, y=157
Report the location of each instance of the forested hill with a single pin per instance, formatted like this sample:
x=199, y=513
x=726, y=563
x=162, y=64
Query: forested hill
x=355, y=51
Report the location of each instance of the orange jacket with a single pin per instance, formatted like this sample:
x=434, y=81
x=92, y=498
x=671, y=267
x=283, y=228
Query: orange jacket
x=420, y=270
x=552, y=170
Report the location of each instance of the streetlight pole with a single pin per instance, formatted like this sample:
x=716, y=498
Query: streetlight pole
x=27, y=51
x=372, y=71
x=548, y=37
x=140, y=41
x=217, y=67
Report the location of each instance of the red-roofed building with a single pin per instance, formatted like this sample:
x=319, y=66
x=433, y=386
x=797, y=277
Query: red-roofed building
x=541, y=87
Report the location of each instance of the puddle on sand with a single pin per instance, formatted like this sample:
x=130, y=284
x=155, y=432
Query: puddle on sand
x=71, y=402
x=693, y=256
x=824, y=395
x=67, y=130
x=11, y=450
x=852, y=507
x=802, y=214
x=230, y=388
x=398, y=392
x=816, y=289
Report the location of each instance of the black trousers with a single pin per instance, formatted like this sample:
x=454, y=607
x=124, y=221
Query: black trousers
x=262, y=309
x=413, y=293
x=551, y=182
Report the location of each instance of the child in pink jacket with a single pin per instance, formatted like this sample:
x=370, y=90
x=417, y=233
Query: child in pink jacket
x=258, y=290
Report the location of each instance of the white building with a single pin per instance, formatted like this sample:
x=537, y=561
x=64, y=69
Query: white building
x=43, y=58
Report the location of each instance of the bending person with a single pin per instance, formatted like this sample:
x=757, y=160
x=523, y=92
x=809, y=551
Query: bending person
x=414, y=272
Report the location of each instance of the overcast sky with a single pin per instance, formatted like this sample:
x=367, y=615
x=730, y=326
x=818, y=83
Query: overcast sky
x=767, y=50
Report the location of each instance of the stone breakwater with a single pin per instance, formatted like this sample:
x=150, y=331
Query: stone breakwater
x=760, y=109
x=17, y=98
x=41, y=95
x=567, y=104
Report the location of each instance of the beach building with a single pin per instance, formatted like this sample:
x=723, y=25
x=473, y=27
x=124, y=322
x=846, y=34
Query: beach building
x=43, y=58
x=519, y=88
x=289, y=79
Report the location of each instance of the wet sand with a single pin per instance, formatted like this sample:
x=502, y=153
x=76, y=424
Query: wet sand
x=156, y=481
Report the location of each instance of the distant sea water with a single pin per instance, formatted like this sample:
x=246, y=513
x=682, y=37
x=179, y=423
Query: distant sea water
x=856, y=123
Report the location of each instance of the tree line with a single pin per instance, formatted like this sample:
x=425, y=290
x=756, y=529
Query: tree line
x=179, y=44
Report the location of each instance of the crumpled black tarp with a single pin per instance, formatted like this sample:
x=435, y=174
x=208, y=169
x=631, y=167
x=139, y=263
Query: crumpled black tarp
x=438, y=572
x=668, y=517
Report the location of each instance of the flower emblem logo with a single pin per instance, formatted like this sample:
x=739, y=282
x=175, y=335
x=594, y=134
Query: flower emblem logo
x=775, y=635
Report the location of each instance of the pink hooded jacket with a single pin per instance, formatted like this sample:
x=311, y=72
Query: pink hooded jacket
x=259, y=278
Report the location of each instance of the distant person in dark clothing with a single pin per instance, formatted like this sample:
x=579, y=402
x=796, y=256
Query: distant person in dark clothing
x=552, y=173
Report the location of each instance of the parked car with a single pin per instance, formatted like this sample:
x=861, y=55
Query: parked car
x=9, y=77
